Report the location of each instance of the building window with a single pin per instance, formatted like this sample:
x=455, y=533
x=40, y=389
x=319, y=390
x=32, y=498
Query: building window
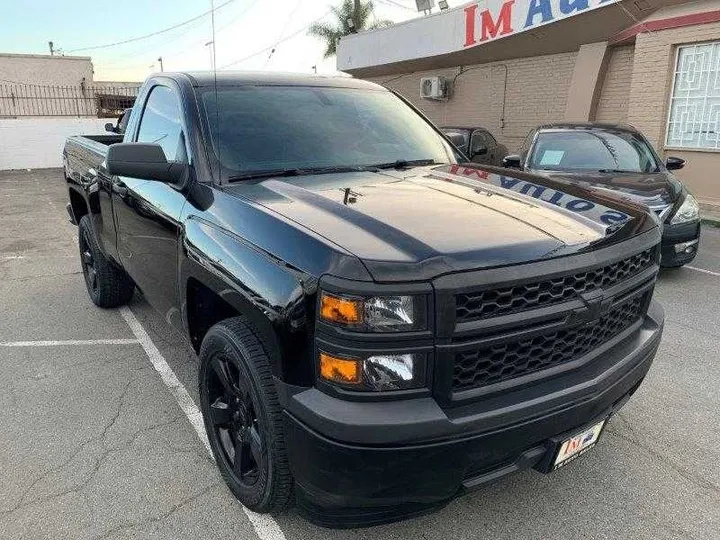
x=694, y=120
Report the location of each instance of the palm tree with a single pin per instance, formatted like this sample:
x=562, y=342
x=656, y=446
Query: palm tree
x=352, y=16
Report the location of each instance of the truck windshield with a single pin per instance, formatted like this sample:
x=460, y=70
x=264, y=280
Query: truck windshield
x=594, y=151
x=265, y=128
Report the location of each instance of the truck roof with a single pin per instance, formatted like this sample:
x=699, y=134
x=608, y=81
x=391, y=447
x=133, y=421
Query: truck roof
x=236, y=78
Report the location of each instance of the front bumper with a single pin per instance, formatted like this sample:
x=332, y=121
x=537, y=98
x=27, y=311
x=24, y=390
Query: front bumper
x=364, y=463
x=680, y=243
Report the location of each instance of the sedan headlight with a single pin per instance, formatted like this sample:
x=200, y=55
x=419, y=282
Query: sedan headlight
x=376, y=373
x=375, y=314
x=689, y=211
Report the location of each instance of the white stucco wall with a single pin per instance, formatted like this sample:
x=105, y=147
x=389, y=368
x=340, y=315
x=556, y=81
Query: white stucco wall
x=34, y=143
x=45, y=69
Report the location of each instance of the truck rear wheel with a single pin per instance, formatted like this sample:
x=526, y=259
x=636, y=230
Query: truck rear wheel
x=107, y=285
x=243, y=417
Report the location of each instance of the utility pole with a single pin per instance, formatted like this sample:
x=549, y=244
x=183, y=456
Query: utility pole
x=315, y=69
x=52, y=48
x=161, y=64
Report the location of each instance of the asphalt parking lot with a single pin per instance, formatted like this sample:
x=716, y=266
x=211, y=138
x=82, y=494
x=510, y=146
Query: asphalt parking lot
x=98, y=433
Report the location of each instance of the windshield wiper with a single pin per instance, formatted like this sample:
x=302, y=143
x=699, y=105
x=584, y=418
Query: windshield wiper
x=620, y=171
x=276, y=173
x=264, y=174
x=404, y=163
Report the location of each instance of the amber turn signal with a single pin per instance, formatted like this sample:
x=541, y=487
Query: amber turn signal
x=340, y=370
x=340, y=310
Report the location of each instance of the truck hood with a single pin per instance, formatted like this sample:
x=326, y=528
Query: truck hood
x=654, y=190
x=427, y=221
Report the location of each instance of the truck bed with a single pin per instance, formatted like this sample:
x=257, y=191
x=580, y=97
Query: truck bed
x=83, y=153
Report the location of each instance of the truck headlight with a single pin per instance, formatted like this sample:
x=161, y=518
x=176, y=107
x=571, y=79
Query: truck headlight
x=689, y=211
x=377, y=373
x=375, y=314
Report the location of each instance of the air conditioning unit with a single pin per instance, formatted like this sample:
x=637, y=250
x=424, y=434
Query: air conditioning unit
x=434, y=88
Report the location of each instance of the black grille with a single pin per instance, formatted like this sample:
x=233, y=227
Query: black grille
x=495, y=302
x=492, y=364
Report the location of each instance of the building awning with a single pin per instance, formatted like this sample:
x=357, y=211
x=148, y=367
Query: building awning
x=487, y=31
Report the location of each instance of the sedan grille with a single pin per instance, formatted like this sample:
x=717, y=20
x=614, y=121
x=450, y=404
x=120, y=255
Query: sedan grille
x=494, y=302
x=496, y=363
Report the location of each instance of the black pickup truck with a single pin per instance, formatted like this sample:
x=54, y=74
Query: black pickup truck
x=380, y=325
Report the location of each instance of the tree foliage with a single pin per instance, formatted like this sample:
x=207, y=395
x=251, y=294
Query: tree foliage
x=347, y=21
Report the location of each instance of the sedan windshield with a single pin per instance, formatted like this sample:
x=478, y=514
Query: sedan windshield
x=593, y=151
x=301, y=128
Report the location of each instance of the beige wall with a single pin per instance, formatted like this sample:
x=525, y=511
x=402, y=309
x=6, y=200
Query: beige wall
x=613, y=103
x=537, y=91
x=649, y=98
x=701, y=174
x=45, y=69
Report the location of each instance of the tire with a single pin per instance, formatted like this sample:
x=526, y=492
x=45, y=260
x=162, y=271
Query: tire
x=242, y=414
x=107, y=285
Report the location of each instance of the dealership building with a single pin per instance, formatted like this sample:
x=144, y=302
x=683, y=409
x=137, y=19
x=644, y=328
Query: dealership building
x=509, y=65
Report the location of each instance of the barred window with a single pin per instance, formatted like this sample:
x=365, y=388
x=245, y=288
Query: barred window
x=694, y=120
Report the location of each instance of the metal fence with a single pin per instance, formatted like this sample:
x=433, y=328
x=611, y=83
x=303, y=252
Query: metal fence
x=102, y=101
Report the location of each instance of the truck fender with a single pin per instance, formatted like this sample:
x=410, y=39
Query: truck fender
x=272, y=296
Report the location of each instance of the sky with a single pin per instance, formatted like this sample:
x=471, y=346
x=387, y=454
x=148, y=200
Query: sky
x=246, y=30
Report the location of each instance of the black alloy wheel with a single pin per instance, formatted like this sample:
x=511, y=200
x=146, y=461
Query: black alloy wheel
x=88, y=263
x=243, y=417
x=108, y=285
x=235, y=421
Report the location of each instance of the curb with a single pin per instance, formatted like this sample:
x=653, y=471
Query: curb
x=710, y=221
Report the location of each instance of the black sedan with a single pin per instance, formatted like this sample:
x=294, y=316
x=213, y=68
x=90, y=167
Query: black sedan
x=477, y=143
x=620, y=160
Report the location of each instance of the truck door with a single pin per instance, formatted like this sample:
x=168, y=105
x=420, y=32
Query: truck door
x=147, y=212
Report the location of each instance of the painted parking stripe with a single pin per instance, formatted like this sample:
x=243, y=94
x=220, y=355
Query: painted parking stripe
x=703, y=271
x=69, y=342
x=265, y=526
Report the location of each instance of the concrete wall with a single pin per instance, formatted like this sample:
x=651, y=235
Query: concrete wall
x=537, y=91
x=649, y=101
x=45, y=69
x=34, y=143
x=613, y=103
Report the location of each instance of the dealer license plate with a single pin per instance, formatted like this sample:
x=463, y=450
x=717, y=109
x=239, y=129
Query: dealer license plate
x=576, y=446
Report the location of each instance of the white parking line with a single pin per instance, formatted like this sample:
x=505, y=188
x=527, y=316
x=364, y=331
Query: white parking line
x=69, y=342
x=703, y=270
x=265, y=526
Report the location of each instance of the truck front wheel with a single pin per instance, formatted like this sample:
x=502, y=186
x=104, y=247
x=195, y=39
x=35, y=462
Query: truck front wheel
x=107, y=285
x=243, y=417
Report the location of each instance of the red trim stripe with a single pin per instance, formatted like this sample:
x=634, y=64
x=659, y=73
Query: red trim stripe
x=665, y=24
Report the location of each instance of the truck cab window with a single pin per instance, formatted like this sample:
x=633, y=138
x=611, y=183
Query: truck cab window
x=161, y=124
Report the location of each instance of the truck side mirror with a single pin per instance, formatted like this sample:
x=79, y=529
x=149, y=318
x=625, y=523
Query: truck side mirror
x=479, y=150
x=674, y=163
x=512, y=161
x=110, y=127
x=144, y=161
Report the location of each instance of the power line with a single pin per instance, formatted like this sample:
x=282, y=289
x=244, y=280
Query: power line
x=271, y=47
x=232, y=21
x=117, y=65
x=106, y=45
x=147, y=49
x=282, y=32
